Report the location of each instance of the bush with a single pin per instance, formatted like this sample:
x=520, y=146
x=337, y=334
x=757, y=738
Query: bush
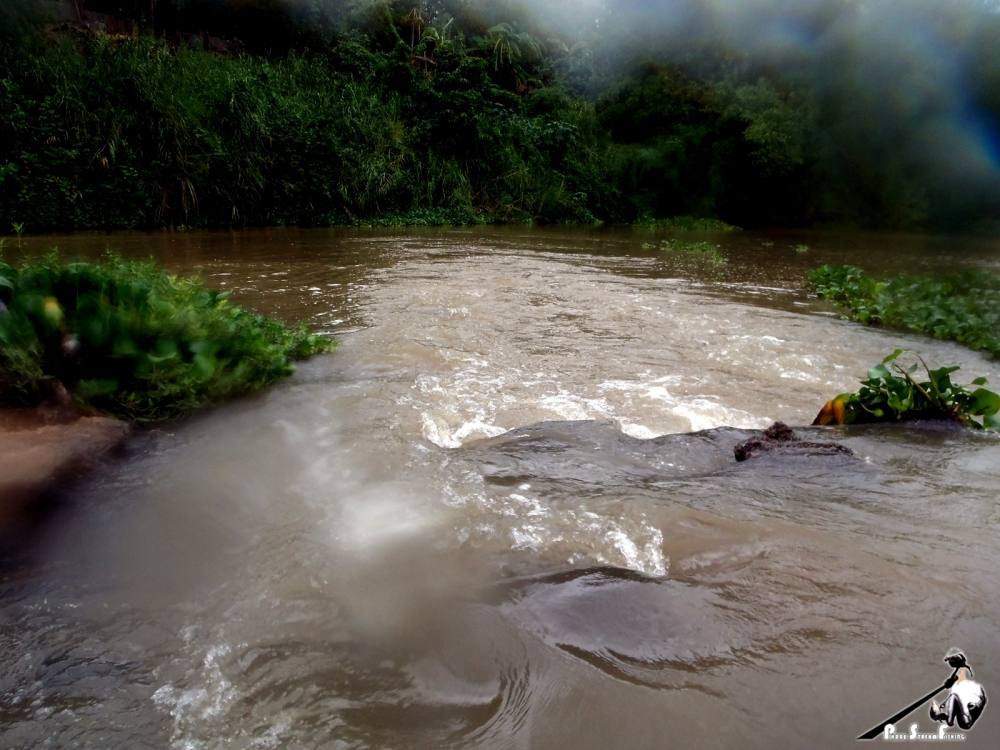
x=131, y=340
x=105, y=133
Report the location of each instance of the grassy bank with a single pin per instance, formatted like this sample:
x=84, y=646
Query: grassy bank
x=101, y=133
x=130, y=340
x=392, y=112
x=962, y=307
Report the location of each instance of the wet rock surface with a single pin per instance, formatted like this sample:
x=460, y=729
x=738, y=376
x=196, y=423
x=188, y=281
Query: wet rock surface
x=39, y=448
x=781, y=439
x=599, y=454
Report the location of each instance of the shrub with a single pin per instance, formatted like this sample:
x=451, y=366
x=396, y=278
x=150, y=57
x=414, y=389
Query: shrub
x=131, y=340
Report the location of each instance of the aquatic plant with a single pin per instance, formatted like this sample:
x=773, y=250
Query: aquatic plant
x=891, y=393
x=699, y=249
x=962, y=307
x=424, y=217
x=132, y=340
x=686, y=224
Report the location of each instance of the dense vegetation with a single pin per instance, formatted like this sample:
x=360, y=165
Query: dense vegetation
x=133, y=341
x=103, y=132
x=388, y=111
x=891, y=393
x=962, y=307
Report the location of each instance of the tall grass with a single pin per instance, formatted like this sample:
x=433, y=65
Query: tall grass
x=101, y=133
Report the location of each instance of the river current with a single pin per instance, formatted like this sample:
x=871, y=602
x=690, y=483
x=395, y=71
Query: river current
x=505, y=512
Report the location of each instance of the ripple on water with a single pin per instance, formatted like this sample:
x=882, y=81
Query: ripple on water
x=649, y=632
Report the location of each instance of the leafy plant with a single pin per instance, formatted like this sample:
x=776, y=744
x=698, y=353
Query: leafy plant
x=687, y=224
x=801, y=249
x=891, y=393
x=700, y=250
x=131, y=340
x=101, y=133
x=962, y=307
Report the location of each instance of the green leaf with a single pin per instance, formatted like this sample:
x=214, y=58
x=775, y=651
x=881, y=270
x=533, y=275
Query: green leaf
x=879, y=372
x=892, y=395
x=984, y=402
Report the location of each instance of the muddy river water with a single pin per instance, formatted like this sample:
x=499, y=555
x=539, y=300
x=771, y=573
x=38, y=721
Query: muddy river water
x=483, y=522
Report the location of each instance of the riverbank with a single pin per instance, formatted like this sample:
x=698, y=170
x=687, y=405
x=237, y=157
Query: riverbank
x=394, y=118
x=130, y=340
x=90, y=348
x=41, y=450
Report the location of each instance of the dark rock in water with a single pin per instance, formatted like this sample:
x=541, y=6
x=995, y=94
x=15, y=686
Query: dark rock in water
x=780, y=438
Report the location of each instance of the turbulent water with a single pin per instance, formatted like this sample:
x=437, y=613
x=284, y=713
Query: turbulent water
x=483, y=521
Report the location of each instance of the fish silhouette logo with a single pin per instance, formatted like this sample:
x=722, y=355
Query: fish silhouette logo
x=961, y=707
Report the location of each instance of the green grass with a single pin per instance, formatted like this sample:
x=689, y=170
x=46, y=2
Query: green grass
x=131, y=340
x=962, y=307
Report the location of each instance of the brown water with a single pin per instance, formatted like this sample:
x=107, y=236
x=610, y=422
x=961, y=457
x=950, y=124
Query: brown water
x=364, y=556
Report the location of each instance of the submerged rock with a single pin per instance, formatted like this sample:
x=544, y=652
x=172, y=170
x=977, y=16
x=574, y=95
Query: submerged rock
x=39, y=448
x=780, y=438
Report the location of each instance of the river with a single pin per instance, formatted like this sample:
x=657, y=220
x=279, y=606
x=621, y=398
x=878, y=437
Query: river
x=482, y=523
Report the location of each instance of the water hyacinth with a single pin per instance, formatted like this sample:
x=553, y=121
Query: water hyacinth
x=132, y=340
x=960, y=307
x=892, y=393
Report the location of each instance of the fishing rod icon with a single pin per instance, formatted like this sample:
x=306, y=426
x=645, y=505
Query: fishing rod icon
x=964, y=704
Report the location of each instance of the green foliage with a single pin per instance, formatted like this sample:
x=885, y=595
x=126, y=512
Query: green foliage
x=891, y=393
x=962, y=307
x=134, y=341
x=779, y=125
x=425, y=217
x=687, y=224
x=699, y=250
x=319, y=112
x=118, y=133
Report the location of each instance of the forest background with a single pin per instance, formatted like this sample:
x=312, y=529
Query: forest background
x=180, y=113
